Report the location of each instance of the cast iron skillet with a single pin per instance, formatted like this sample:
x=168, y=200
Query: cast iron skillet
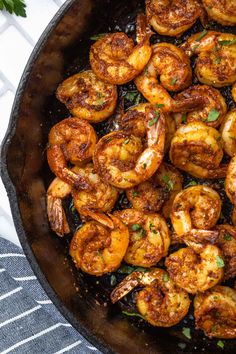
x=61, y=51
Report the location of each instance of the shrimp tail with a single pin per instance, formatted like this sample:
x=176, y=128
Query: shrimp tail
x=100, y=217
x=57, y=216
x=128, y=284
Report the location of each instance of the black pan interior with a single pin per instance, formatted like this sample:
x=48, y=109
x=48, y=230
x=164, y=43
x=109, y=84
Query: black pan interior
x=84, y=300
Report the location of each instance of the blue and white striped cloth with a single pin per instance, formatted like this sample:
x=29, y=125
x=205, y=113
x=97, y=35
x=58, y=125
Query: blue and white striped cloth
x=29, y=322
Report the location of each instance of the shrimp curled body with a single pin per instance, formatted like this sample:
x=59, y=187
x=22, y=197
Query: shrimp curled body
x=161, y=302
x=97, y=249
x=222, y=11
x=71, y=140
x=195, y=271
x=215, y=312
x=196, y=149
x=149, y=237
x=230, y=185
x=115, y=59
x=87, y=97
x=227, y=243
x=228, y=132
x=172, y=18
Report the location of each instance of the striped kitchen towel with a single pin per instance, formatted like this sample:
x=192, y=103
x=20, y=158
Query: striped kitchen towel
x=29, y=322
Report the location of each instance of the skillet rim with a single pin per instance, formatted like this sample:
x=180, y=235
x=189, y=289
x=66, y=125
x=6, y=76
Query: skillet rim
x=11, y=191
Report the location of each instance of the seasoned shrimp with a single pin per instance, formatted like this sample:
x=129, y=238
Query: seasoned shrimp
x=115, y=59
x=195, y=269
x=134, y=122
x=227, y=243
x=216, y=61
x=122, y=160
x=196, y=149
x=230, y=185
x=212, y=111
x=71, y=140
x=88, y=97
x=158, y=192
x=234, y=92
x=228, y=133
x=215, y=312
x=222, y=11
x=161, y=303
x=149, y=237
x=56, y=192
x=172, y=18
x=196, y=207
x=99, y=199
x=173, y=66
x=97, y=249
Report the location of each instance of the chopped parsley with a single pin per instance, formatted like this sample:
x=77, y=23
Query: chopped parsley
x=133, y=314
x=152, y=228
x=202, y=34
x=168, y=181
x=159, y=105
x=136, y=227
x=217, y=60
x=184, y=118
x=213, y=115
x=227, y=237
x=144, y=165
x=186, y=332
x=133, y=97
x=227, y=42
x=98, y=36
x=113, y=280
x=109, y=139
x=220, y=344
x=173, y=81
x=220, y=262
x=135, y=194
x=126, y=141
x=165, y=277
x=128, y=269
x=195, y=47
x=155, y=119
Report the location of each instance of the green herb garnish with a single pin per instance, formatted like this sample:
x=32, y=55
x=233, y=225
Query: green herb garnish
x=109, y=139
x=184, y=118
x=173, y=81
x=220, y=344
x=113, y=280
x=213, y=115
x=144, y=165
x=135, y=194
x=202, y=34
x=217, y=60
x=186, y=332
x=14, y=6
x=126, y=141
x=133, y=97
x=165, y=277
x=220, y=262
x=128, y=269
x=159, y=105
x=155, y=119
x=133, y=314
x=227, y=237
x=168, y=181
x=152, y=228
x=195, y=47
x=98, y=36
x=227, y=42
x=136, y=227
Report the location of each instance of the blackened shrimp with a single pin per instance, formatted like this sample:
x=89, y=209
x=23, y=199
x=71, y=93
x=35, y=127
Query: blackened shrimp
x=216, y=57
x=172, y=18
x=149, y=237
x=97, y=249
x=213, y=109
x=196, y=149
x=195, y=208
x=222, y=11
x=195, y=269
x=158, y=192
x=215, y=312
x=87, y=97
x=230, y=185
x=227, y=243
x=71, y=140
x=161, y=302
x=116, y=60
x=123, y=160
x=228, y=133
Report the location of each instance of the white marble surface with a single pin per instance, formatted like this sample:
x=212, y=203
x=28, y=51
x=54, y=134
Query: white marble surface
x=17, y=38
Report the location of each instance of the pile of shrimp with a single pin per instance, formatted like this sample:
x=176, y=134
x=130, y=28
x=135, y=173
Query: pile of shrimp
x=171, y=232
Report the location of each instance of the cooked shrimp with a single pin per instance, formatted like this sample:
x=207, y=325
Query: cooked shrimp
x=228, y=133
x=173, y=66
x=212, y=111
x=56, y=192
x=134, y=122
x=196, y=149
x=216, y=61
x=230, y=185
x=234, y=92
x=88, y=97
x=149, y=237
x=172, y=18
x=227, y=243
x=196, y=270
x=71, y=140
x=161, y=303
x=99, y=199
x=158, y=192
x=97, y=249
x=122, y=160
x=196, y=207
x=215, y=312
x=116, y=60
x=222, y=11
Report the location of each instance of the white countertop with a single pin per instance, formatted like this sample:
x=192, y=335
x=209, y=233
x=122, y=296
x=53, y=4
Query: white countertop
x=17, y=38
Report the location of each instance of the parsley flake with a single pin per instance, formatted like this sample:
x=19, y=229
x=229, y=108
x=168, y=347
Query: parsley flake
x=155, y=119
x=133, y=314
x=202, y=34
x=136, y=227
x=128, y=269
x=186, y=332
x=14, y=6
x=229, y=42
x=168, y=181
x=173, y=81
x=220, y=344
x=144, y=165
x=184, y=118
x=135, y=194
x=165, y=277
x=220, y=262
x=159, y=105
x=213, y=115
x=126, y=141
x=98, y=36
x=113, y=280
x=227, y=237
